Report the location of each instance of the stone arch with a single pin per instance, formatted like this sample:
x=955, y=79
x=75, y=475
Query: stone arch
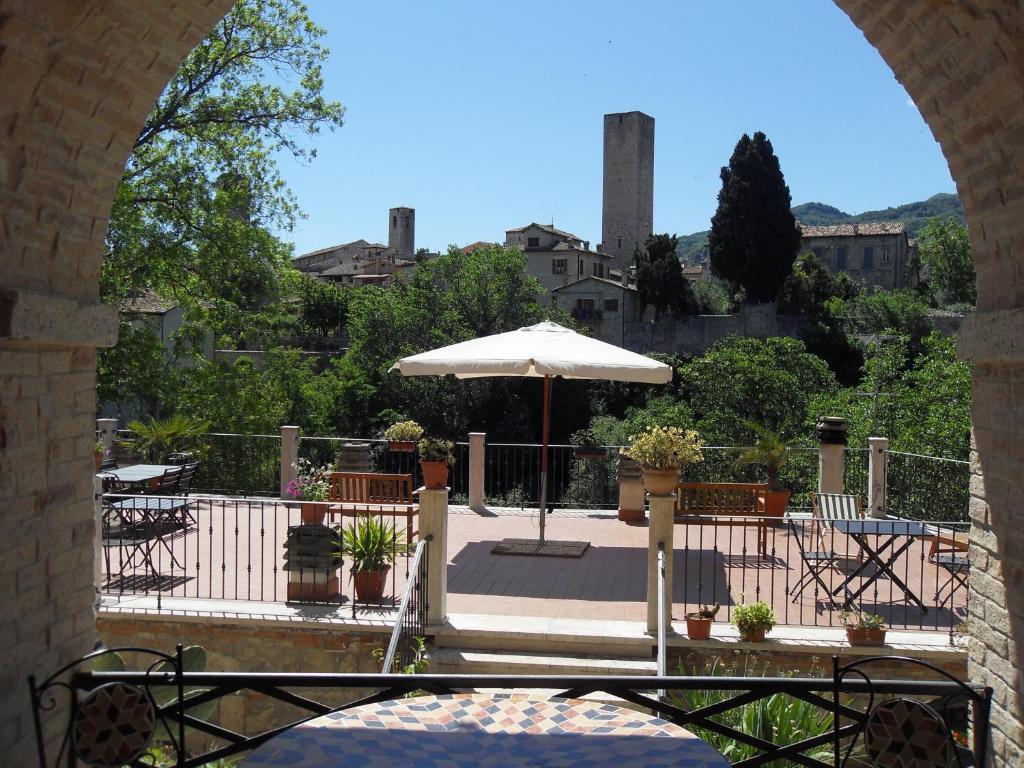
x=78, y=79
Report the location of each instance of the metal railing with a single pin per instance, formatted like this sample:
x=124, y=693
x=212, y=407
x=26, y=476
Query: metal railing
x=926, y=487
x=232, y=549
x=411, y=623
x=240, y=464
x=839, y=702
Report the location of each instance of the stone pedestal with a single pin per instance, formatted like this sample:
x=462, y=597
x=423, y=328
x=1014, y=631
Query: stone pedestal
x=631, y=490
x=831, y=454
x=289, y=455
x=661, y=531
x=434, y=523
x=877, y=457
x=477, y=447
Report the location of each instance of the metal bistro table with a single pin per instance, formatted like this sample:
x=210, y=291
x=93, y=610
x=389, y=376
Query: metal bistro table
x=479, y=730
x=138, y=474
x=893, y=530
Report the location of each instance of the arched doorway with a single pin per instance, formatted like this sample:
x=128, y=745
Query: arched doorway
x=78, y=78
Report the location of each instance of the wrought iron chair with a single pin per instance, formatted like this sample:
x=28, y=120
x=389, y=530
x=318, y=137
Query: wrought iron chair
x=113, y=723
x=905, y=732
x=816, y=557
x=188, y=472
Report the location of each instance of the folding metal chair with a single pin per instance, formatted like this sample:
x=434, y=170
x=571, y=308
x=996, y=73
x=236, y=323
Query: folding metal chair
x=837, y=506
x=949, y=553
x=815, y=561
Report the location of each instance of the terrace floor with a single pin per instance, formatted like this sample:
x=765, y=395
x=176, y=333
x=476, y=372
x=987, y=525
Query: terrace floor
x=234, y=552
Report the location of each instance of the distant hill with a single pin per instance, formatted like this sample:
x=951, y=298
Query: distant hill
x=693, y=248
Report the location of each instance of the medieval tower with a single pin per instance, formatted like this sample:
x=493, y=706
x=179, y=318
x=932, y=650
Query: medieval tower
x=628, y=205
x=402, y=232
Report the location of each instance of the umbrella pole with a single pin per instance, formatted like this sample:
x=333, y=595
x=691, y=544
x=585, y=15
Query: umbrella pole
x=544, y=456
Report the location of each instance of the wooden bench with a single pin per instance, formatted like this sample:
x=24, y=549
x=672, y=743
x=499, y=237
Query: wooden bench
x=721, y=504
x=367, y=493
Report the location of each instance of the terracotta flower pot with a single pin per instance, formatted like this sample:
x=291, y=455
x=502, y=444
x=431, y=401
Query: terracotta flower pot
x=661, y=482
x=858, y=636
x=370, y=585
x=98, y=457
x=401, y=445
x=775, y=503
x=435, y=474
x=698, y=628
x=313, y=513
x=755, y=635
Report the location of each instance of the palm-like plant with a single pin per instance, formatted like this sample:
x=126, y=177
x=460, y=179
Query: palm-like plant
x=371, y=544
x=171, y=435
x=770, y=450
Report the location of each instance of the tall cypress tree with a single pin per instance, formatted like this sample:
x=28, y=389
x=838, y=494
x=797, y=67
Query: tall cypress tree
x=754, y=237
x=659, y=277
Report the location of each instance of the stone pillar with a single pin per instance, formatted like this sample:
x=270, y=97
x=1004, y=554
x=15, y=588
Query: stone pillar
x=107, y=429
x=289, y=455
x=660, y=531
x=434, y=523
x=831, y=454
x=477, y=446
x=631, y=490
x=877, y=446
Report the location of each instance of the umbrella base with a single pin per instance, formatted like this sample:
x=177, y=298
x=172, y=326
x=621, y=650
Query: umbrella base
x=536, y=548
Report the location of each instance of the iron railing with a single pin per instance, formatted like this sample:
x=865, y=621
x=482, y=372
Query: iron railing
x=406, y=645
x=240, y=464
x=855, y=473
x=926, y=487
x=232, y=549
x=207, y=742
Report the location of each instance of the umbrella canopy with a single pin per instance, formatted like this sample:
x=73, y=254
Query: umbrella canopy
x=544, y=349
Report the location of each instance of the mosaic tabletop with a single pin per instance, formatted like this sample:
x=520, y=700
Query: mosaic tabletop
x=476, y=730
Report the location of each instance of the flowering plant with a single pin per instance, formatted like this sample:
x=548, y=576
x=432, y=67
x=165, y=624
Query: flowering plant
x=665, y=448
x=310, y=483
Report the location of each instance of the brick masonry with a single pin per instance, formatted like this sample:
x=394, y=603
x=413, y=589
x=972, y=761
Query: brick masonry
x=240, y=645
x=78, y=78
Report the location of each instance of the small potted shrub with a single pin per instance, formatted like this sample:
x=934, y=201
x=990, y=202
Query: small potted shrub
x=698, y=623
x=753, y=621
x=372, y=546
x=311, y=484
x=97, y=454
x=402, y=435
x=586, y=445
x=772, y=453
x=660, y=452
x=864, y=628
x=435, y=458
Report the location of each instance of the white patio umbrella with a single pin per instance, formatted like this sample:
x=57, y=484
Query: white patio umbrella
x=541, y=350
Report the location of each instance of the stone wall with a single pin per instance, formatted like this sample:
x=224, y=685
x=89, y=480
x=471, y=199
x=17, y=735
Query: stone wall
x=249, y=645
x=693, y=335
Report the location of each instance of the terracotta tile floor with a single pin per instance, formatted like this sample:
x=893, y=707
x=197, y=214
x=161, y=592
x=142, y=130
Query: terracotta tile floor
x=235, y=552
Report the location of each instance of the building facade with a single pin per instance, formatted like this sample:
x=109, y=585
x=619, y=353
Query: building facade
x=605, y=306
x=873, y=254
x=627, y=215
x=555, y=257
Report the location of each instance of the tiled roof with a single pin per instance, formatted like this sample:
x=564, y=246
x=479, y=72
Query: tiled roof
x=854, y=230
x=145, y=302
x=477, y=245
x=546, y=228
x=360, y=243
x=598, y=279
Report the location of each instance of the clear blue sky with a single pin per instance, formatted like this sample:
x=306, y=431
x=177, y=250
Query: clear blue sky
x=486, y=115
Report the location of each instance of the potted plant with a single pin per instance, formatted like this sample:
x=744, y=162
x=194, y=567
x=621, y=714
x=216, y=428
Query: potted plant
x=311, y=484
x=587, y=446
x=772, y=452
x=661, y=451
x=372, y=546
x=864, y=628
x=402, y=435
x=753, y=621
x=176, y=434
x=698, y=623
x=97, y=454
x=435, y=458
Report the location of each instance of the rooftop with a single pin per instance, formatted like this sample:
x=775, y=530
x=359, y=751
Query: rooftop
x=861, y=229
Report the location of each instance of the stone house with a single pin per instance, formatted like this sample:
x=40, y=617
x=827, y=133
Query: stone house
x=557, y=258
x=874, y=254
x=606, y=306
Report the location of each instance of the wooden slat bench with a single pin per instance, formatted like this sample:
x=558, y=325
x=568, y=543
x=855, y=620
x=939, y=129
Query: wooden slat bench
x=367, y=493
x=721, y=504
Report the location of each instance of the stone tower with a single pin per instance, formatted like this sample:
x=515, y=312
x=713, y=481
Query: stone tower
x=402, y=232
x=628, y=208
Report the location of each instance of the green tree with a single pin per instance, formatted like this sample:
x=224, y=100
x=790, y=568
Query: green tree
x=201, y=190
x=754, y=238
x=945, y=252
x=323, y=306
x=810, y=285
x=659, y=277
x=890, y=312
